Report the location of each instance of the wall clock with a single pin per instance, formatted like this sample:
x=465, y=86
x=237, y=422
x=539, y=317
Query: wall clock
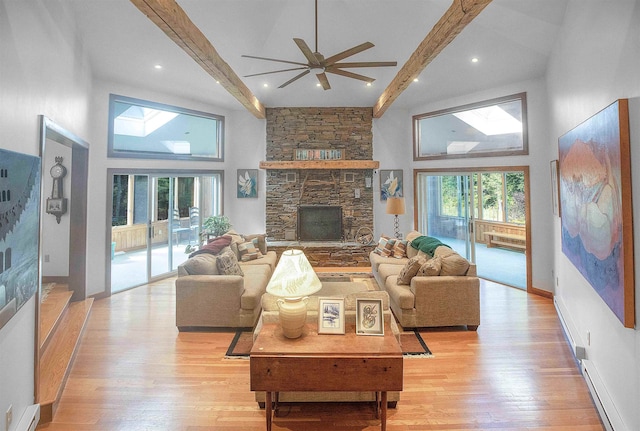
x=57, y=203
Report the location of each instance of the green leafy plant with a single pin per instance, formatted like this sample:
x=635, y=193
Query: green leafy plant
x=215, y=225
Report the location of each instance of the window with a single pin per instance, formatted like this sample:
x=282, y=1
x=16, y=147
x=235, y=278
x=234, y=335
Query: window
x=496, y=127
x=142, y=129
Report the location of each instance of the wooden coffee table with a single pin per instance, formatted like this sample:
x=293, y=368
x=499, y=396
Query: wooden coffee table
x=316, y=362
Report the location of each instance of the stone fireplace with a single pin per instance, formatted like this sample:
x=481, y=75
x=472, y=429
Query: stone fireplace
x=348, y=186
x=344, y=182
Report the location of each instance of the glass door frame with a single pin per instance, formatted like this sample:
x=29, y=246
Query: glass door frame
x=152, y=174
x=470, y=171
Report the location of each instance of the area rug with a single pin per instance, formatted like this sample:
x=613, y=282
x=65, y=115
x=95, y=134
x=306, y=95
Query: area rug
x=413, y=346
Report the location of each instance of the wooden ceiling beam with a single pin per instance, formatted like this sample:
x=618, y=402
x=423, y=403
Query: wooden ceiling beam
x=173, y=20
x=454, y=20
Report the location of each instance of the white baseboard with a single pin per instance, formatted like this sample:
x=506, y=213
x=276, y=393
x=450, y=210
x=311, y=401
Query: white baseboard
x=30, y=418
x=577, y=349
x=608, y=413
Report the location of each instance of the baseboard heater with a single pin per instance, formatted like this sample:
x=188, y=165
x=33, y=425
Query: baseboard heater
x=608, y=413
x=578, y=351
x=30, y=418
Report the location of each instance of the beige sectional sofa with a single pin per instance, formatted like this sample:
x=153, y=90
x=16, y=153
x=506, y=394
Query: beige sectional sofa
x=207, y=298
x=428, y=301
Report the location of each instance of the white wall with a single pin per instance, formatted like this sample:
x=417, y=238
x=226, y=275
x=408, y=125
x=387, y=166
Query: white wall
x=42, y=72
x=596, y=62
x=538, y=161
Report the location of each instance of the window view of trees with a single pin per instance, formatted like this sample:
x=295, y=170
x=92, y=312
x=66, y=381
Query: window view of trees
x=501, y=195
x=120, y=199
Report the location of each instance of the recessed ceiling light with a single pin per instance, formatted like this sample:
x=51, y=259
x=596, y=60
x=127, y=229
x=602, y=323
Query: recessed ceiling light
x=158, y=66
x=369, y=84
x=265, y=85
x=318, y=85
x=415, y=79
x=475, y=60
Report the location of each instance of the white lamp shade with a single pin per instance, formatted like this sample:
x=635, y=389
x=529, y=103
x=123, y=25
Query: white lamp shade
x=293, y=277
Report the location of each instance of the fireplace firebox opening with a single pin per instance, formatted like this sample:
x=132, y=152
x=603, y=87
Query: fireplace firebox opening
x=319, y=223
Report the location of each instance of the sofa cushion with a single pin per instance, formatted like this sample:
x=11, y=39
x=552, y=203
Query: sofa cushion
x=227, y=263
x=385, y=246
x=452, y=262
x=400, y=294
x=213, y=246
x=410, y=269
x=203, y=264
x=256, y=278
x=386, y=270
x=399, y=249
x=431, y=267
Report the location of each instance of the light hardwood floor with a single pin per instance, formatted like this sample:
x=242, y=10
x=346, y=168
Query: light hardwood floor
x=135, y=371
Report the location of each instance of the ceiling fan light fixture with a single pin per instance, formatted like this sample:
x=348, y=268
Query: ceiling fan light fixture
x=316, y=69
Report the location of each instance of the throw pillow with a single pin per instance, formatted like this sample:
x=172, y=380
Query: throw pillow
x=227, y=263
x=260, y=241
x=385, y=246
x=248, y=251
x=204, y=264
x=454, y=264
x=431, y=267
x=213, y=246
x=410, y=269
x=400, y=249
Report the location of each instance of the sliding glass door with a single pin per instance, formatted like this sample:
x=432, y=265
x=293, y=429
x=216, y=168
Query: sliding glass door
x=156, y=218
x=481, y=215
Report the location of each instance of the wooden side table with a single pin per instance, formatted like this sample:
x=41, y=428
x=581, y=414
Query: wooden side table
x=316, y=362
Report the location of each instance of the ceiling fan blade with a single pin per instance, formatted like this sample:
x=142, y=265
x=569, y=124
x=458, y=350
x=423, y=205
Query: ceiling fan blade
x=349, y=74
x=348, y=53
x=322, y=77
x=275, y=59
x=365, y=64
x=295, y=78
x=274, y=71
x=306, y=51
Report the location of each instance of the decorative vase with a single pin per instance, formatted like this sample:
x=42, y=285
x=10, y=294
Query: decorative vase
x=293, y=315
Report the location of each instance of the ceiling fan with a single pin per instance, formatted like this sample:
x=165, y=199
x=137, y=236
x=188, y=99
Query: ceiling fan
x=320, y=66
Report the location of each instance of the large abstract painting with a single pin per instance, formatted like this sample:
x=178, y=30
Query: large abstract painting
x=596, y=212
x=19, y=230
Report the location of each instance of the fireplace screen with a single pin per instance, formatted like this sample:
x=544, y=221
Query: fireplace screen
x=319, y=223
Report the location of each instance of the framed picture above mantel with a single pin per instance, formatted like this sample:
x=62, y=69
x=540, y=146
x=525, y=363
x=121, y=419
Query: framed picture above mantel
x=318, y=154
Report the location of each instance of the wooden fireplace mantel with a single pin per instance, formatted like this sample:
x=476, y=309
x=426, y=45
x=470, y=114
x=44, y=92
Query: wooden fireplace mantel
x=321, y=164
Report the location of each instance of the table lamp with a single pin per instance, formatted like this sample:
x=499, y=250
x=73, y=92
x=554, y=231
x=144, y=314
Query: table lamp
x=395, y=206
x=293, y=281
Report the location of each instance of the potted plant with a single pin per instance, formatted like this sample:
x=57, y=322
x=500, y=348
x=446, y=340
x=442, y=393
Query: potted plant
x=215, y=225
x=211, y=226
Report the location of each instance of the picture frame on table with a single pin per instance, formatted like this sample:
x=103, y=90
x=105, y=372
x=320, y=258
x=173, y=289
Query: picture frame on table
x=369, y=317
x=331, y=316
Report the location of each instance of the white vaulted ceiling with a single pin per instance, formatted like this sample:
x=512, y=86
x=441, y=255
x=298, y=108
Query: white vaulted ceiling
x=511, y=38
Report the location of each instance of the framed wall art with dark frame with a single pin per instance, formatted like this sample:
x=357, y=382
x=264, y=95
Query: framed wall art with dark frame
x=19, y=231
x=247, y=183
x=391, y=183
x=596, y=209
